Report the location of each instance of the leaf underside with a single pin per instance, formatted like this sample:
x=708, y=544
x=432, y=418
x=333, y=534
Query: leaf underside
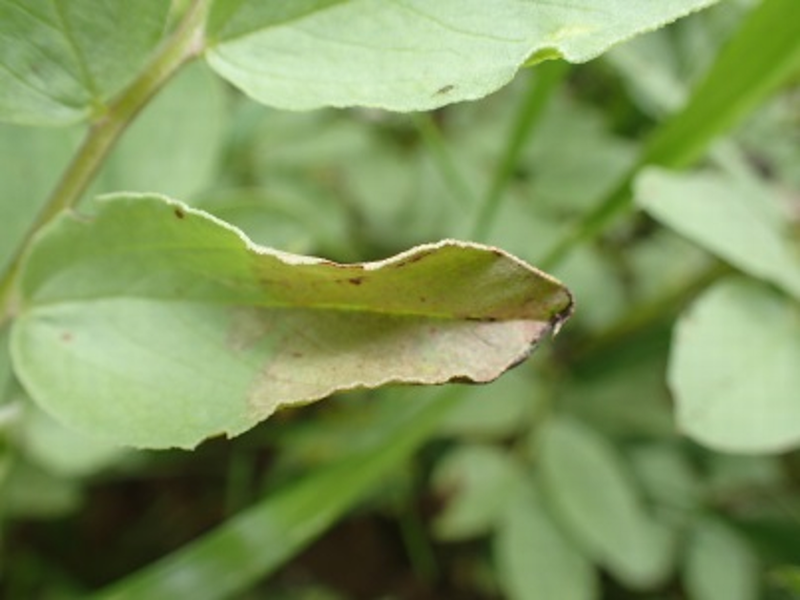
x=414, y=54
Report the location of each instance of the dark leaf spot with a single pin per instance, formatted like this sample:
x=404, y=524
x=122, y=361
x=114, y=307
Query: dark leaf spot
x=356, y=280
x=445, y=90
x=179, y=213
x=412, y=259
x=481, y=319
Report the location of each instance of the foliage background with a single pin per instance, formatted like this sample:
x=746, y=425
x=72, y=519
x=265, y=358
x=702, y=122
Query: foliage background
x=569, y=471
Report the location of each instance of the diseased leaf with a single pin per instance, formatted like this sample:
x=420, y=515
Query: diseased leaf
x=61, y=60
x=156, y=325
x=410, y=54
x=734, y=369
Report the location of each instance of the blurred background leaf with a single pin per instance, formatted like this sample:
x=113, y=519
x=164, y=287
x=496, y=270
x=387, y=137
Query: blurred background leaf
x=476, y=500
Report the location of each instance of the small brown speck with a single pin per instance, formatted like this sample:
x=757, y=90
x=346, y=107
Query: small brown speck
x=66, y=336
x=445, y=90
x=179, y=213
x=356, y=280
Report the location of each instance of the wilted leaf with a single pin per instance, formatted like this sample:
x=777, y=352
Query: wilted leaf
x=734, y=369
x=410, y=55
x=741, y=222
x=59, y=61
x=536, y=560
x=157, y=325
x=593, y=495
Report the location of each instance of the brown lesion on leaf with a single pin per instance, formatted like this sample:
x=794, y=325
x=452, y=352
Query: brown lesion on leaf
x=66, y=337
x=356, y=280
x=411, y=259
x=247, y=328
x=179, y=213
x=465, y=379
x=485, y=319
x=446, y=89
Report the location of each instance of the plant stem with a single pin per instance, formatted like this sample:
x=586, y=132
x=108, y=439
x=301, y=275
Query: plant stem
x=185, y=43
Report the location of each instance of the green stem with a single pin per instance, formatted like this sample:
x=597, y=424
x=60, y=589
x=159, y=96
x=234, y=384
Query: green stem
x=540, y=90
x=185, y=43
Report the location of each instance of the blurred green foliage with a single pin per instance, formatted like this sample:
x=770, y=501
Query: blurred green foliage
x=571, y=477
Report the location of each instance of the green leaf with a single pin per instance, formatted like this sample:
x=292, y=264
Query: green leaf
x=535, y=559
x=498, y=411
x=733, y=369
x=62, y=61
x=762, y=54
x=720, y=565
x=593, y=496
x=742, y=222
x=6, y=372
x=30, y=161
x=760, y=57
x=153, y=324
x=27, y=491
x=410, y=55
x=476, y=481
x=174, y=144
x=787, y=579
x=667, y=477
x=62, y=451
